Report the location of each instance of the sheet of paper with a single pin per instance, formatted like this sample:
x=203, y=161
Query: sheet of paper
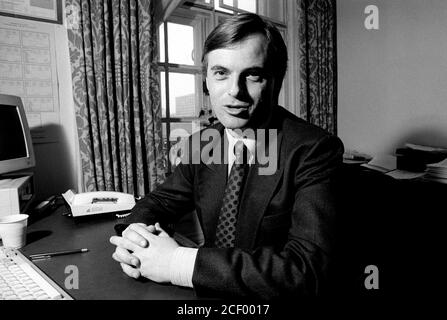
x=402, y=174
x=28, y=69
x=382, y=163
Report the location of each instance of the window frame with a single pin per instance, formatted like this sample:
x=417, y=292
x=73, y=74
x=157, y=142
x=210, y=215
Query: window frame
x=198, y=21
x=259, y=4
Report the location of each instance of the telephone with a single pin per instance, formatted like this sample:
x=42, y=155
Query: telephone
x=98, y=202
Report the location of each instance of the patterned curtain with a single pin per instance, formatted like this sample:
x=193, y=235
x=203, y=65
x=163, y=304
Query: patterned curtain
x=318, y=62
x=116, y=94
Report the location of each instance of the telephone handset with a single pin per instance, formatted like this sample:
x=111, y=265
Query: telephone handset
x=97, y=202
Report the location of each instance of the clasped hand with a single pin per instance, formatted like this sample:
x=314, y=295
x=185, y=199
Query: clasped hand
x=141, y=252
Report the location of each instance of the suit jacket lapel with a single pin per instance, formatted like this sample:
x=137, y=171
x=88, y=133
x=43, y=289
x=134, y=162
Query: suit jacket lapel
x=254, y=202
x=212, y=181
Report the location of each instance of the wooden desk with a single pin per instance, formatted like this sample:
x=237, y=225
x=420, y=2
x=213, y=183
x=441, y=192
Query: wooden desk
x=100, y=277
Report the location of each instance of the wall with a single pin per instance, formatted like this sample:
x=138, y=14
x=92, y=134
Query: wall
x=55, y=142
x=392, y=82
x=57, y=163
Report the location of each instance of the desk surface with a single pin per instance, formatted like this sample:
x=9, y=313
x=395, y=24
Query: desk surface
x=100, y=277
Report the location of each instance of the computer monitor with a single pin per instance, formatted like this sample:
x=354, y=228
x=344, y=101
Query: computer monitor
x=16, y=147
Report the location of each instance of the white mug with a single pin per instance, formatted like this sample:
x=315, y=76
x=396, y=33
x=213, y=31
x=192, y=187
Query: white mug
x=13, y=230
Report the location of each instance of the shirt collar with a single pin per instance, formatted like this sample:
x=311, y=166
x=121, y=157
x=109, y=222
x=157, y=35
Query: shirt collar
x=249, y=143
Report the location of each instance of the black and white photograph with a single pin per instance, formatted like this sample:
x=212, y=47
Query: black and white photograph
x=222, y=158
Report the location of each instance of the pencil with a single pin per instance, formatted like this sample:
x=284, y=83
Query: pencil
x=56, y=253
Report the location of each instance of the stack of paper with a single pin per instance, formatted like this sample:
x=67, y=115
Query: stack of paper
x=437, y=172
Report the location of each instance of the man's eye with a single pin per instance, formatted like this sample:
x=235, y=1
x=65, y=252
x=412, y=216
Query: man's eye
x=220, y=74
x=254, y=77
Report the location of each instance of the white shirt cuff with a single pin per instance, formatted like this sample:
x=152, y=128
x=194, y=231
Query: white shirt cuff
x=182, y=266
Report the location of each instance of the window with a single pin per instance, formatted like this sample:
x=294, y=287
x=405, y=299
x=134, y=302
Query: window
x=185, y=105
x=180, y=72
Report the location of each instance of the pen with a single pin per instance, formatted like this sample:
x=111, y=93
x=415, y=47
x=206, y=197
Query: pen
x=57, y=253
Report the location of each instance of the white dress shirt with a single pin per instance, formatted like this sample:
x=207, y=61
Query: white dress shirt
x=182, y=264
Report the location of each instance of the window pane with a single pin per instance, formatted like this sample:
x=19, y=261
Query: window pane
x=161, y=41
x=272, y=9
x=247, y=5
x=163, y=93
x=182, y=95
x=227, y=2
x=180, y=43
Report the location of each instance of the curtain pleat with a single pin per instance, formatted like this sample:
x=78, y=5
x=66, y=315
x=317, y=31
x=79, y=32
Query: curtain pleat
x=113, y=53
x=318, y=62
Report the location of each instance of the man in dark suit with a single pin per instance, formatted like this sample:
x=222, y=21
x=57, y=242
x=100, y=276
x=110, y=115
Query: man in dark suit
x=269, y=226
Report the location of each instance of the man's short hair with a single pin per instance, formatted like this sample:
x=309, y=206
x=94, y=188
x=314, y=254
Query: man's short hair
x=237, y=28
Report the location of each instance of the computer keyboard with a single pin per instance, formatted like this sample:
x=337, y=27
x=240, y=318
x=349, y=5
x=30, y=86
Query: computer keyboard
x=20, y=279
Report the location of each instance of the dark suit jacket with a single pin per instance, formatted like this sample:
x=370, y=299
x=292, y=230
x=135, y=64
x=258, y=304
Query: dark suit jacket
x=286, y=222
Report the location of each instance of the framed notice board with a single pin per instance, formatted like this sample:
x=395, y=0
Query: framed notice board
x=38, y=10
